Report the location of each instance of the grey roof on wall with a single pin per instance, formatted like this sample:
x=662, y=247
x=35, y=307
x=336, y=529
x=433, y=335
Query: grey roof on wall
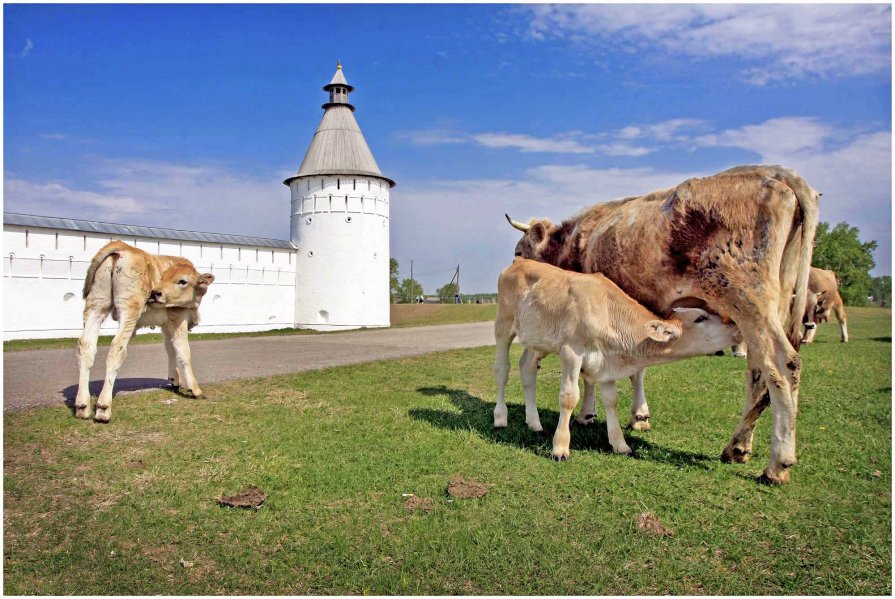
x=92, y=226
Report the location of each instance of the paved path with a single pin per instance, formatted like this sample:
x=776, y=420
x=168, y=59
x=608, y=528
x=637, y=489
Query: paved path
x=46, y=377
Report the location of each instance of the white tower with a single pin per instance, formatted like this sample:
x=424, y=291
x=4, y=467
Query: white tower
x=340, y=224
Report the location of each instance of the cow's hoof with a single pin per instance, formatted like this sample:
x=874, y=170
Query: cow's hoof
x=199, y=395
x=500, y=421
x=174, y=388
x=102, y=416
x=560, y=457
x=741, y=355
x=535, y=427
x=585, y=420
x=735, y=455
x=83, y=412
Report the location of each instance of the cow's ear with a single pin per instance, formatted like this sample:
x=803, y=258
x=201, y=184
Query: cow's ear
x=206, y=279
x=538, y=232
x=660, y=331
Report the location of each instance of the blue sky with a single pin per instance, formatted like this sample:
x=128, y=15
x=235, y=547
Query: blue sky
x=190, y=116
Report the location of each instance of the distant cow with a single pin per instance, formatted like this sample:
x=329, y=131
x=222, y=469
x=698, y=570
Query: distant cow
x=738, y=243
x=140, y=290
x=823, y=299
x=597, y=330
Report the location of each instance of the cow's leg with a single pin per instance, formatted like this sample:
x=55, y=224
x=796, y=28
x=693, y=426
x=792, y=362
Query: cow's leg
x=780, y=366
x=179, y=332
x=501, y=375
x=588, y=410
x=639, y=409
x=117, y=354
x=528, y=371
x=810, y=332
x=570, y=367
x=757, y=399
x=609, y=393
x=173, y=374
x=843, y=322
x=94, y=315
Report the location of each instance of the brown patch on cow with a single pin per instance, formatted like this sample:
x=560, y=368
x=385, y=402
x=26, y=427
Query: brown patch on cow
x=650, y=524
x=419, y=504
x=250, y=497
x=692, y=231
x=466, y=489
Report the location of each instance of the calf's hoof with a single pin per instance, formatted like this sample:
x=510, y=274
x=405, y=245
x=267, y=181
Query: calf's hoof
x=83, y=412
x=535, y=426
x=742, y=355
x=560, y=456
x=640, y=423
x=736, y=455
x=103, y=416
x=774, y=476
x=500, y=421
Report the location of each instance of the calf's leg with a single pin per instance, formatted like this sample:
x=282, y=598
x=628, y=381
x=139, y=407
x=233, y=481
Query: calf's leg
x=117, y=354
x=501, y=375
x=173, y=374
x=570, y=367
x=588, y=410
x=843, y=323
x=609, y=392
x=94, y=315
x=179, y=332
x=528, y=371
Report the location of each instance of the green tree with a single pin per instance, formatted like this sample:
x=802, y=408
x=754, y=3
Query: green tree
x=446, y=293
x=841, y=250
x=393, y=285
x=881, y=290
x=408, y=290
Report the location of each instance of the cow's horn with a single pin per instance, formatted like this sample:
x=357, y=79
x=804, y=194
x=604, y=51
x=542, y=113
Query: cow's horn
x=517, y=225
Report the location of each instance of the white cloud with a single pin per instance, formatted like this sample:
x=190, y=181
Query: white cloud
x=54, y=136
x=665, y=131
x=775, y=41
x=29, y=46
x=564, y=144
x=204, y=197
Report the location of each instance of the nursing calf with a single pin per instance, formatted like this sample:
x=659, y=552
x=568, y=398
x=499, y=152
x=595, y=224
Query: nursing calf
x=597, y=330
x=823, y=300
x=140, y=290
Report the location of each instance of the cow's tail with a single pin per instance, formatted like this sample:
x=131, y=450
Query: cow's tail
x=110, y=249
x=810, y=209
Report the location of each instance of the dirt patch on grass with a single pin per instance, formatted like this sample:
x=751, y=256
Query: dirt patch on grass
x=250, y=497
x=649, y=523
x=466, y=489
x=417, y=504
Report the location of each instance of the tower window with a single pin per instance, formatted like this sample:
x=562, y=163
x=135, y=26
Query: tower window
x=354, y=184
x=338, y=184
x=308, y=185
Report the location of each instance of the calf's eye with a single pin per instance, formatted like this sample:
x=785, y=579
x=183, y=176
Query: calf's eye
x=701, y=318
x=181, y=282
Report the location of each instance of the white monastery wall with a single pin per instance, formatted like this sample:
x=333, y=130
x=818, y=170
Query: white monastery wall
x=44, y=270
x=340, y=226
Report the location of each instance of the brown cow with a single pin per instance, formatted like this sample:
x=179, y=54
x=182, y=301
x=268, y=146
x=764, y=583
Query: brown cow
x=140, y=290
x=738, y=243
x=597, y=330
x=823, y=299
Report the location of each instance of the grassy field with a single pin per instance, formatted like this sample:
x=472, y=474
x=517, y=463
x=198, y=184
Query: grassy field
x=93, y=509
x=402, y=315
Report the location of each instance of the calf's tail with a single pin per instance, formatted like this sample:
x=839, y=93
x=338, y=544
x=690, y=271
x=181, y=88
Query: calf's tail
x=110, y=249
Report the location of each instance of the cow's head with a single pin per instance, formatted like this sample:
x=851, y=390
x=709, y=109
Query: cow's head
x=535, y=242
x=181, y=286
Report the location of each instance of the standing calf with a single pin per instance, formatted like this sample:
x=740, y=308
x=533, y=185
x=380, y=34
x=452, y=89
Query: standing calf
x=140, y=290
x=597, y=330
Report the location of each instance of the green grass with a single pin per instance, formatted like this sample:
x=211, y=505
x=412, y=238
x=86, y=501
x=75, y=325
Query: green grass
x=402, y=315
x=92, y=509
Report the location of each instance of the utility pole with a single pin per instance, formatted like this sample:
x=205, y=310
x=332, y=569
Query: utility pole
x=411, y=299
x=458, y=284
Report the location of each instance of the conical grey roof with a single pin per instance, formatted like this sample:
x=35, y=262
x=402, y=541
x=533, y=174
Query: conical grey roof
x=339, y=147
x=338, y=79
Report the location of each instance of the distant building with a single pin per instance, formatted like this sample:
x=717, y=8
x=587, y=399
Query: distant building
x=332, y=274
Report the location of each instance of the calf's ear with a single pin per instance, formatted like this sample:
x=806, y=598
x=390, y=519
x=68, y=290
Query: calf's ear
x=661, y=331
x=206, y=279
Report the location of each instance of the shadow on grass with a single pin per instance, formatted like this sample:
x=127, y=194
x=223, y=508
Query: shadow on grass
x=882, y=339
x=121, y=386
x=478, y=415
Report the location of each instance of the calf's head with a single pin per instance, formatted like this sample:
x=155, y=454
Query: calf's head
x=181, y=286
x=703, y=332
